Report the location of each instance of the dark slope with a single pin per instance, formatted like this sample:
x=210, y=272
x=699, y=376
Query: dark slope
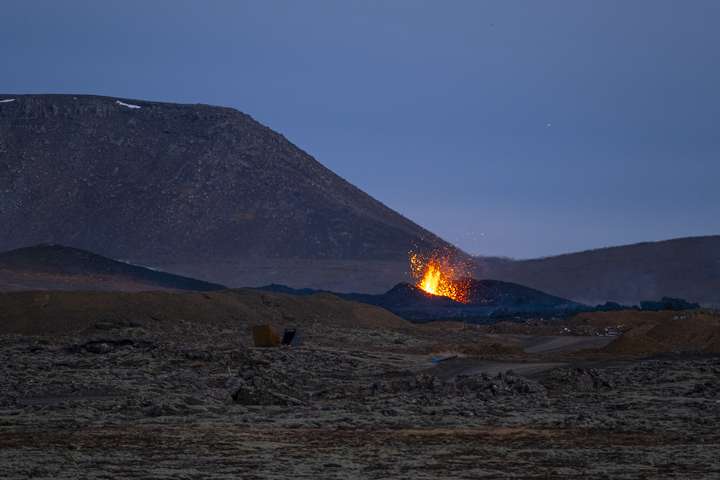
x=195, y=189
x=54, y=267
x=506, y=294
x=688, y=268
x=488, y=298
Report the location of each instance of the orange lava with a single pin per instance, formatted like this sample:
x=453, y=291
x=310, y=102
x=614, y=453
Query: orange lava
x=437, y=276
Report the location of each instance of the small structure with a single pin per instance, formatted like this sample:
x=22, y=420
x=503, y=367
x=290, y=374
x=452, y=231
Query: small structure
x=288, y=336
x=265, y=336
x=298, y=339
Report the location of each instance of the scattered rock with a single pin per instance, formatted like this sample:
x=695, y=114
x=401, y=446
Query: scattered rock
x=98, y=347
x=198, y=355
x=580, y=379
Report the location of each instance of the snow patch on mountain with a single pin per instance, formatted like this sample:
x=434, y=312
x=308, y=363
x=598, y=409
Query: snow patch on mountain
x=128, y=105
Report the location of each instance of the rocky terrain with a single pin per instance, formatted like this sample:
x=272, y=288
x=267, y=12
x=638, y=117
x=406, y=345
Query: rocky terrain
x=196, y=190
x=367, y=395
x=55, y=267
x=688, y=268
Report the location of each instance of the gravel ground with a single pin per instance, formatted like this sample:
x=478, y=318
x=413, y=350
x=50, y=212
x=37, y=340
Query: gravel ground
x=129, y=403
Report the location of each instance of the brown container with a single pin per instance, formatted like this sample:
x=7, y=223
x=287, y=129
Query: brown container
x=265, y=336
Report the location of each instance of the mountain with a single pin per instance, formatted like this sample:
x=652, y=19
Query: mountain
x=198, y=190
x=54, y=267
x=688, y=268
x=487, y=298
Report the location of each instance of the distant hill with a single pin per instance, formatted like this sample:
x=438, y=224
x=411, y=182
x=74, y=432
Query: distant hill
x=488, y=298
x=197, y=190
x=687, y=268
x=54, y=267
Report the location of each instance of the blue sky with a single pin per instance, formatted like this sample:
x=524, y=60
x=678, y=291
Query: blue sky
x=517, y=128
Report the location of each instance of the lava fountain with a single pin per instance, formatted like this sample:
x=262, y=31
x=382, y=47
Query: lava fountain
x=437, y=275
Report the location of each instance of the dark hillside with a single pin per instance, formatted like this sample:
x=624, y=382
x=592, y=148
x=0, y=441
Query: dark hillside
x=686, y=268
x=198, y=190
x=54, y=267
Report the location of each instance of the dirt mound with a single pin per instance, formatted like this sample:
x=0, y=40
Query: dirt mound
x=48, y=313
x=648, y=333
x=701, y=335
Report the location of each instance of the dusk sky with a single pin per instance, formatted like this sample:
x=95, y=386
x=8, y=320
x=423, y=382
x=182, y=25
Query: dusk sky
x=516, y=128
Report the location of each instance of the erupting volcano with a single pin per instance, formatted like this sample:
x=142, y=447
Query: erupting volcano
x=437, y=275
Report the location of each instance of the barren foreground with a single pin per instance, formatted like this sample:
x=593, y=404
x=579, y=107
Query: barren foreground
x=182, y=400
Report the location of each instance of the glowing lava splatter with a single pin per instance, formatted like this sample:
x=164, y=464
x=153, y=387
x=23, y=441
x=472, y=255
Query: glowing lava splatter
x=437, y=275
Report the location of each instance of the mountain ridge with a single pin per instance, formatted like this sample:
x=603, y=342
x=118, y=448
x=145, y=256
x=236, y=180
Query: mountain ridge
x=55, y=267
x=198, y=190
x=685, y=267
